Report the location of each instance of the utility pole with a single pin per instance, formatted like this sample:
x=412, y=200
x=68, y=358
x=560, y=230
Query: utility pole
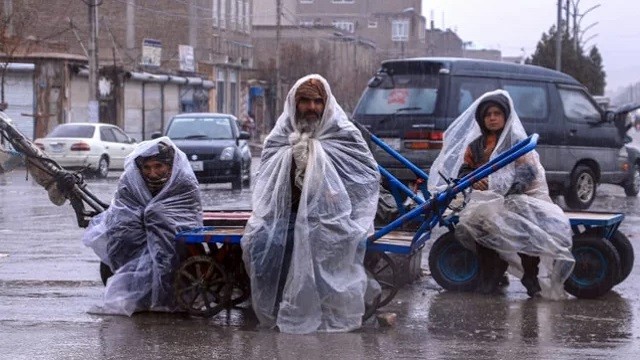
x=559, y=37
x=94, y=107
x=278, y=81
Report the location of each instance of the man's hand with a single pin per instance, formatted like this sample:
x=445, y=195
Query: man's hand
x=481, y=185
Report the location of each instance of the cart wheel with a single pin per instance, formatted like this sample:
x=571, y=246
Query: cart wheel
x=241, y=290
x=382, y=267
x=597, y=266
x=453, y=266
x=625, y=250
x=201, y=286
x=370, y=309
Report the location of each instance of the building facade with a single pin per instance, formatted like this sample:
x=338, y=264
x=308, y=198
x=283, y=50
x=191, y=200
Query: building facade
x=397, y=27
x=181, y=56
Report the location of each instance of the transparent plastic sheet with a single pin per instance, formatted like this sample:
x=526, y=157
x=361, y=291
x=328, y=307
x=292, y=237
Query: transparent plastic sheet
x=135, y=235
x=9, y=160
x=528, y=223
x=326, y=282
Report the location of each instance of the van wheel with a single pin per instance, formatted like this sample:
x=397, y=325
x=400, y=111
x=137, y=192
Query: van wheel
x=597, y=267
x=582, y=190
x=632, y=185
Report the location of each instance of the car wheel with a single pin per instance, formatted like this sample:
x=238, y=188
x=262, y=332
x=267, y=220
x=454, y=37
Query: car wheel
x=582, y=189
x=632, y=185
x=236, y=184
x=597, y=267
x=246, y=182
x=103, y=168
x=453, y=266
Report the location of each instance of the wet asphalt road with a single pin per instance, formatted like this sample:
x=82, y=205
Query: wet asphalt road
x=49, y=282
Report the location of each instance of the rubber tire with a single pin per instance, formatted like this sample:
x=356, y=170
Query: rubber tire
x=236, y=184
x=460, y=273
x=606, y=257
x=632, y=185
x=247, y=182
x=578, y=175
x=103, y=168
x=625, y=250
x=105, y=273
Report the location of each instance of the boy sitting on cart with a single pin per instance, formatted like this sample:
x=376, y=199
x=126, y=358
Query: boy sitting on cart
x=511, y=221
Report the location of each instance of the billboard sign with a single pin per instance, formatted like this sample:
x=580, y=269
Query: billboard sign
x=151, y=52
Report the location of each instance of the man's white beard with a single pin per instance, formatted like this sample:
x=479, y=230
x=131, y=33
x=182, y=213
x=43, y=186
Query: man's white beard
x=305, y=125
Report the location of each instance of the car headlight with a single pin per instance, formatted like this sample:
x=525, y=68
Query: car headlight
x=227, y=153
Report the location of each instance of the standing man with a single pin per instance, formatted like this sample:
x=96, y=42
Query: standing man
x=314, y=203
x=157, y=196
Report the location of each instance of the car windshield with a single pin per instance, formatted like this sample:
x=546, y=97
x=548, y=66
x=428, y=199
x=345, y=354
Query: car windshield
x=408, y=94
x=72, y=131
x=200, y=128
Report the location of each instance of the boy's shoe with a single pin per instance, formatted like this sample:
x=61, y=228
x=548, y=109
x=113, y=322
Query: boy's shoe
x=532, y=285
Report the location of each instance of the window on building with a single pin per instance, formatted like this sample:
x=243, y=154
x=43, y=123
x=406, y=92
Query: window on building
x=233, y=15
x=400, y=30
x=373, y=24
x=247, y=17
x=306, y=1
x=215, y=12
x=220, y=92
x=241, y=16
x=223, y=14
x=343, y=1
x=233, y=89
x=348, y=26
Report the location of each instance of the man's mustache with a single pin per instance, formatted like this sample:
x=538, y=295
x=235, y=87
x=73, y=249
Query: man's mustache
x=312, y=113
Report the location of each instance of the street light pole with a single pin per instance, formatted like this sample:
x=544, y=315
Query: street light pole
x=577, y=19
x=93, y=106
x=559, y=37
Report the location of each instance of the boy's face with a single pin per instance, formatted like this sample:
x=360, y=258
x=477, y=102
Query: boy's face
x=494, y=119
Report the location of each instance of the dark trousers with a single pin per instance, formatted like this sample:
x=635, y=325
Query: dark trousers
x=492, y=267
x=286, y=261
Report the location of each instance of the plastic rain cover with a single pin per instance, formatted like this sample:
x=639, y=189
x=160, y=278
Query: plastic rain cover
x=326, y=281
x=528, y=222
x=135, y=235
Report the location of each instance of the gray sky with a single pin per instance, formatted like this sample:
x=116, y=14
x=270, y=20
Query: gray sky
x=510, y=26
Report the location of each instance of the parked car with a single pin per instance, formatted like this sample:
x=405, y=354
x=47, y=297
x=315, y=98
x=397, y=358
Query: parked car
x=410, y=102
x=96, y=146
x=216, y=148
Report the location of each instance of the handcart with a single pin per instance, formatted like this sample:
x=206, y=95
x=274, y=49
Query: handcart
x=211, y=276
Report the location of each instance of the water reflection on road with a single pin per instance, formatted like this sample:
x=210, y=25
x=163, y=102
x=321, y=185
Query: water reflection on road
x=49, y=280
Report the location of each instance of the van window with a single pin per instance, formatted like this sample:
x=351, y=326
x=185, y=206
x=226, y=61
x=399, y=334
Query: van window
x=577, y=106
x=530, y=100
x=410, y=94
x=467, y=89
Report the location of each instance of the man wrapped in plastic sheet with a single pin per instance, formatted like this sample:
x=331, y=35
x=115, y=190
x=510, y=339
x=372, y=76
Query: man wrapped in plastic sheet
x=314, y=202
x=157, y=196
x=513, y=214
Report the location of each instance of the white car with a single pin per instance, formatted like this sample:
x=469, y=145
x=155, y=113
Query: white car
x=96, y=146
